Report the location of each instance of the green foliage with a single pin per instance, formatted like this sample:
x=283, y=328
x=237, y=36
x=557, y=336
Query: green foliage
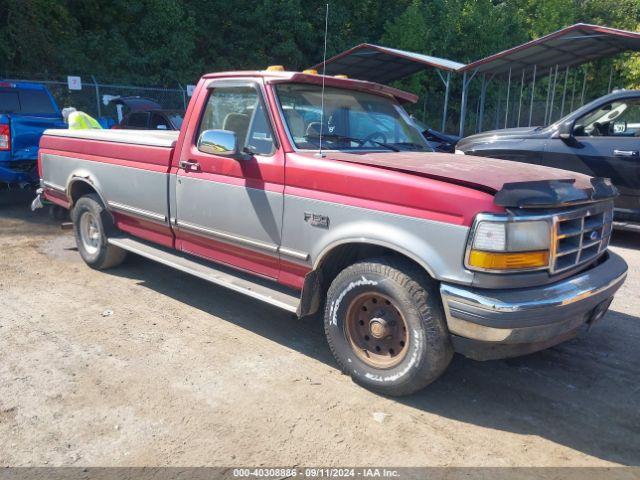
x=168, y=41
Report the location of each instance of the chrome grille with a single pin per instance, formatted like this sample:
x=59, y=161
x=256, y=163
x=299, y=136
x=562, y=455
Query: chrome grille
x=580, y=236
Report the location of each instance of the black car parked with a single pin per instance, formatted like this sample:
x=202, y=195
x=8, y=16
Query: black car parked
x=601, y=139
x=146, y=114
x=153, y=120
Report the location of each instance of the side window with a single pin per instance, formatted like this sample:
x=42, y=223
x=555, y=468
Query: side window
x=158, y=122
x=240, y=110
x=138, y=120
x=617, y=119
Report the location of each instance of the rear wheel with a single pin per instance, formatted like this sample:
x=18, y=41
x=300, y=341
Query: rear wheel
x=385, y=326
x=92, y=224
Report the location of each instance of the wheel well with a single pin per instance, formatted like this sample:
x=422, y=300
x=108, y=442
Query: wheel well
x=318, y=280
x=79, y=189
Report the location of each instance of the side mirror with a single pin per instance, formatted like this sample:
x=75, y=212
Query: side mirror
x=565, y=133
x=219, y=142
x=619, y=126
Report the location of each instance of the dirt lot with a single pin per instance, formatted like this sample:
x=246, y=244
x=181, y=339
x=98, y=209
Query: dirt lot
x=142, y=365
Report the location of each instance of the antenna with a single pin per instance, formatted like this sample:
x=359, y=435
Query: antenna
x=324, y=68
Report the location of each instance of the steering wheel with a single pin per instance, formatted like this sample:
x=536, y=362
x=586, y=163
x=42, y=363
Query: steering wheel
x=372, y=138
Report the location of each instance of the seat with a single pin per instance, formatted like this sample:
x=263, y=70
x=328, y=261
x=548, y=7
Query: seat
x=295, y=122
x=239, y=124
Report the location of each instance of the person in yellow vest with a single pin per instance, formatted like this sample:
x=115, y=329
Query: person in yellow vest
x=79, y=120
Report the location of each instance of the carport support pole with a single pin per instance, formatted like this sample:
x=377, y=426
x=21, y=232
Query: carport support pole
x=483, y=94
x=95, y=85
x=520, y=101
x=446, y=101
x=497, y=120
x=573, y=92
x=553, y=95
x=506, y=110
x=564, y=91
x=463, y=105
x=610, y=78
x=424, y=108
x=546, y=103
x=584, y=87
x=533, y=92
x=465, y=94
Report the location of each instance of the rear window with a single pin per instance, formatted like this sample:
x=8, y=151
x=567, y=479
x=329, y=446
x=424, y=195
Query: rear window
x=26, y=102
x=9, y=101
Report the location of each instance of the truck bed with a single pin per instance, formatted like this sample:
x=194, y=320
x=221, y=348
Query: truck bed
x=154, y=138
x=127, y=168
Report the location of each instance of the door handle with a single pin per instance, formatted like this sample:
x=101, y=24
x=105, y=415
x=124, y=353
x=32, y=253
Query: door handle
x=626, y=153
x=187, y=165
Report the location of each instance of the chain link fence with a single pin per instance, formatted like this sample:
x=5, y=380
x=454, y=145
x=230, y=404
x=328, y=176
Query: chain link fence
x=93, y=97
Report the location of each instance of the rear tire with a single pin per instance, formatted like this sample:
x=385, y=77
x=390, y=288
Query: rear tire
x=92, y=225
x=385, y=326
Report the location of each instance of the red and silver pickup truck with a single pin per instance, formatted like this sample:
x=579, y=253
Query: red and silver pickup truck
x=317, y=193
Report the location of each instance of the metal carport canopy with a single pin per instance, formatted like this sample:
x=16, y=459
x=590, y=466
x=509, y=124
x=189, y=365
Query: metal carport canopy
x=383, y=64
x=574, y=45
x=571, y=46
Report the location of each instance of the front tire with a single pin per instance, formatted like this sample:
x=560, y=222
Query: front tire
x=91, y=226
x=386, y=327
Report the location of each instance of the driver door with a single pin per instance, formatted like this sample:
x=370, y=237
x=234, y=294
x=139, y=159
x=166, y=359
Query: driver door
x=229, y=209
x=606, y=146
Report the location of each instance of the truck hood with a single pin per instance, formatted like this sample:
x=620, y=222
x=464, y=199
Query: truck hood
x=492, y=136
x=486, y=174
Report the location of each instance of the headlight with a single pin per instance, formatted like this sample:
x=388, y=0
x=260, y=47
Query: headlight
x=459, y=152
x=500, y=245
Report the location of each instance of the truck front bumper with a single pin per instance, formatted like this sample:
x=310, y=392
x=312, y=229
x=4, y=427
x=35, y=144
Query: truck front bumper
x=490, y=324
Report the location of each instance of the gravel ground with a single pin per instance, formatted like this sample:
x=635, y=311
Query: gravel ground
x=142, y=365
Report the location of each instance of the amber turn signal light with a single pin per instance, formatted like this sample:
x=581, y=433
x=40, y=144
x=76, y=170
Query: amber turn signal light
x=508, y=261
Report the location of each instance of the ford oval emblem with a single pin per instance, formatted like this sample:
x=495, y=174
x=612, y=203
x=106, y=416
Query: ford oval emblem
x=593, y=236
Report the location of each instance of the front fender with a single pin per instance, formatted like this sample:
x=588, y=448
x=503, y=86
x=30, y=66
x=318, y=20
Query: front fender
x=437, y=246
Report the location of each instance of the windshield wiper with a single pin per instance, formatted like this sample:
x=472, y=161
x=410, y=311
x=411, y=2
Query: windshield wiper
x=357, y=140
x=412, y=145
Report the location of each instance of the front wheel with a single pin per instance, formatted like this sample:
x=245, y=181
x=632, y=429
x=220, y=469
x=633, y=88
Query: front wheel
x=91, y=225
x=385, y=326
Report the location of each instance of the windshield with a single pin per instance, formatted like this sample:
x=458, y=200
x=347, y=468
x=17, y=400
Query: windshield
x=352, y=120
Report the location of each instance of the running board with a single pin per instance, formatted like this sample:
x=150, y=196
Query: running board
x=261, y=289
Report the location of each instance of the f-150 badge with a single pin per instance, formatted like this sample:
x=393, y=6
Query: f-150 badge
x=316, y=220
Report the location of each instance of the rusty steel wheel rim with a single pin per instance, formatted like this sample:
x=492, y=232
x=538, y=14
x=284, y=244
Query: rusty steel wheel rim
x=376, y=330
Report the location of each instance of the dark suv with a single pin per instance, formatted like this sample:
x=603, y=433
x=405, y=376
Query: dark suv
x=601, y=139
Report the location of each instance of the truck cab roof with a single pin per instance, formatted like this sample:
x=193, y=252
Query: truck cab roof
x=270, y=76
